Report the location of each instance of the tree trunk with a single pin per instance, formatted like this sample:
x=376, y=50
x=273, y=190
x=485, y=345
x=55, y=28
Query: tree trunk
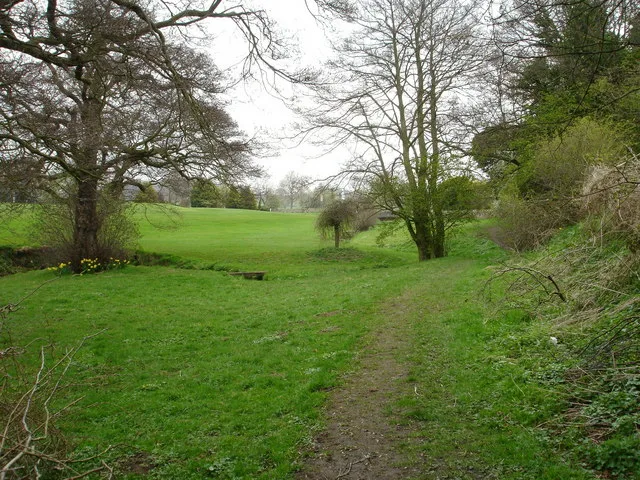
x=423, y=240
x=439, y=250
x=86, y=225
x=336, y=236
x=434, y=174
x=424, y=252
x=89, y=137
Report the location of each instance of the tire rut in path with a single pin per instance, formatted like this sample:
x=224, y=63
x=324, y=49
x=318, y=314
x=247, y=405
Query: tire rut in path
x=364, y=433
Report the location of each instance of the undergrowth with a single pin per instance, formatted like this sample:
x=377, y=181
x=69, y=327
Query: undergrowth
x=584, y=291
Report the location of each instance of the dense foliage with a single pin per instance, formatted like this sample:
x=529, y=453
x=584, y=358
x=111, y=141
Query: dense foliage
x=565, y=153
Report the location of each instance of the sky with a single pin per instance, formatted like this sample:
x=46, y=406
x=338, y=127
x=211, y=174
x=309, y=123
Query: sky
x=256, y=107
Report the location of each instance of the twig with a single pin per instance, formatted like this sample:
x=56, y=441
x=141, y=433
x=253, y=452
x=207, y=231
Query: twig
x=46, y=383
x=12, y=307
x=351, y=464
x=536, y=275
x=89, y=472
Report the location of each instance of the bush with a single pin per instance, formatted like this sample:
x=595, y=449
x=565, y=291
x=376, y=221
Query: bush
x=204, y=193
x=527, y=224
x=6, y=262
x=463, y=194
x=611, y=199
x=147, y=194
x=546, y=194
x=117, y=235
x=618, y=456
x=560, y=165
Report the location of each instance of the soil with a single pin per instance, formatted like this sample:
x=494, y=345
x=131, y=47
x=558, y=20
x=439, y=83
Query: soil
x=497, y=236
x=140, y=463
x=365, y=430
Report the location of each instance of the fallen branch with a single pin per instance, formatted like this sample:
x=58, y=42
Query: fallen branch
x=27, y=448
x=538, y=276
x=351, y=464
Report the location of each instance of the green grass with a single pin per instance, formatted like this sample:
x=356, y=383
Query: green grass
x=207, y=375
x=246, y=239
x=475, y=406
x=280, y=243
x=14, y=225
x=201, y=365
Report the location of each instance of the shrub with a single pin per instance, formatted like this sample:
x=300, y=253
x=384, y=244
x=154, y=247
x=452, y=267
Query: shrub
x=526, y=224
x=117, y=234
x=559, y=165
x=546, y=194
x=611, y=199
x=618, y=456
x=6, y=263
x=147, y=194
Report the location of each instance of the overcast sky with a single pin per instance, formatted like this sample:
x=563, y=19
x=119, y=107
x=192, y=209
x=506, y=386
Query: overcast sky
x=259, y=111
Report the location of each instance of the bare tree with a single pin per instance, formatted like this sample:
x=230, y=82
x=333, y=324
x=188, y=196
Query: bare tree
x=396, y=89
x=97, y=93
x=293, y=185
x=175, y=189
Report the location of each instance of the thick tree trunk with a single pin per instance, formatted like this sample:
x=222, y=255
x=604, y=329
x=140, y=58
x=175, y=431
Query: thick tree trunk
x=86, y=218
x=424, y=253
x=336, y=236
x=423, y=240
x=86, y=225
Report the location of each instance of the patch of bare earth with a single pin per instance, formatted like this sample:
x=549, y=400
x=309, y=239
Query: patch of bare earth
x=497, y=236
x=140, y=463
x=365, y=433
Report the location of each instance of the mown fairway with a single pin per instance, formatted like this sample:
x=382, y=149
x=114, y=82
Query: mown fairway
x=231, y=238
x=197, y=374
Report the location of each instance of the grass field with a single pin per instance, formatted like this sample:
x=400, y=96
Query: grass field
x=197, y=374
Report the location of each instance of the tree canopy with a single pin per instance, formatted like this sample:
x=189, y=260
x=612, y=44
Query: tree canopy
x=560, y=62
x=337, y=220
x=95, y=94
x=568, y=103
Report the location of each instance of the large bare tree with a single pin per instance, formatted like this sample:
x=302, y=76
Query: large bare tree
x=396, y=89
x=95, y=94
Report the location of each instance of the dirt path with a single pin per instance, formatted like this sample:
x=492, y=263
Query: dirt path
x=365, y=432
x=497, y=236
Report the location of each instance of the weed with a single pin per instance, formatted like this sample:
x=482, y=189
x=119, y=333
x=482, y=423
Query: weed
x=618, y=456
